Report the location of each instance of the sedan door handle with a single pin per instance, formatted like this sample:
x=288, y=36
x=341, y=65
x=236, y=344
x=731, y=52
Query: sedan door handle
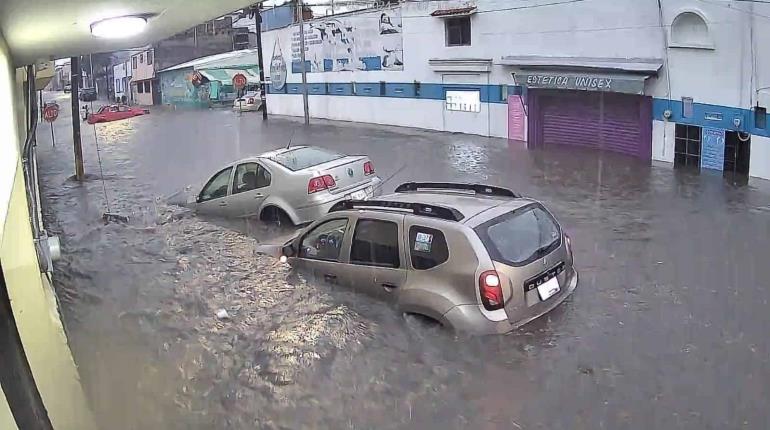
x=222, y=203
x=258, y=196
x=389, y=287
x=328, y=277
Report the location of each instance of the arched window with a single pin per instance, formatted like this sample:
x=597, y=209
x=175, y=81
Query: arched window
x=689, y=30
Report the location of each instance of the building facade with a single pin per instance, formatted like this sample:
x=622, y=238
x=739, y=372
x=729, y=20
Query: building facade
x=144, y=87
x=684, y=83
x=208, y=81
x=62, y=76
x=121, y=73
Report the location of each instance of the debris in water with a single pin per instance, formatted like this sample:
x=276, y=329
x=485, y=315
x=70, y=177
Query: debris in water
x=110, y=217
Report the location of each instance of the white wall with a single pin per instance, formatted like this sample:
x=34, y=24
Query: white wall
x=759, y=166
x=119, y=72
x=560, y=30
x=534, y=31
x=663, y=141
x=728, y=72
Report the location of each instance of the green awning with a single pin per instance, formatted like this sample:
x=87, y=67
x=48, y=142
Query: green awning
x=225, y=76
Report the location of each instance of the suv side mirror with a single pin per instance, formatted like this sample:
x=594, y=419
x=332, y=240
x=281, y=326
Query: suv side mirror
x=288, y=250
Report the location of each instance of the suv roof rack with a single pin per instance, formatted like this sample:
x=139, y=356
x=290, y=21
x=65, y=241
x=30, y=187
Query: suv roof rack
x=487, y=190
x=420, y=209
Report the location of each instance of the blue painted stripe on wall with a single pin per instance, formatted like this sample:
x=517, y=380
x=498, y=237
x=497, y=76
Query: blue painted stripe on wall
x=704, y=115
x=708, y=115
x=430, y=91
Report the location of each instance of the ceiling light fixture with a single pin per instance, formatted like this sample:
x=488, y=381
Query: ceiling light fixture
x=119, y=27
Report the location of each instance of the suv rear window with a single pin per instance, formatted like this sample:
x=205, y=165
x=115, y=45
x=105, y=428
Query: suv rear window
x=302, y=158
x=427, y=247
x=520, y=237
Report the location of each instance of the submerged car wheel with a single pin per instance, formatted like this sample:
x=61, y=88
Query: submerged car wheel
x=275, y=215
x=422, y=322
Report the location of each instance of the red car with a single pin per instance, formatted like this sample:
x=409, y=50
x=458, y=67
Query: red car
x=115, y=112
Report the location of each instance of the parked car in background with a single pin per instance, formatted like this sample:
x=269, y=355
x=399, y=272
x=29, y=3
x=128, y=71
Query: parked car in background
x=67, y=88
x=115, y=112
x=296, y=185
x=87, y=94
x=250, y=101
x=475, y=258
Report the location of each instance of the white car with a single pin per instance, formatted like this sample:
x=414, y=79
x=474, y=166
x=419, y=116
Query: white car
x=250, y=101
x=298, y=184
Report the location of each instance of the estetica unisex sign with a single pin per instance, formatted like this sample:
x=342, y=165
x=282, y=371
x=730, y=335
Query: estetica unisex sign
x=618, y=84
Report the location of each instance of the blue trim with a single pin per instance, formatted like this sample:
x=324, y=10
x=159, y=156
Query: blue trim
x=704, y=115
x=708, y=115
x=429, y=91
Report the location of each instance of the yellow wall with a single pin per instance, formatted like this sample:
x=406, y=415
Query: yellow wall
x=32, y=298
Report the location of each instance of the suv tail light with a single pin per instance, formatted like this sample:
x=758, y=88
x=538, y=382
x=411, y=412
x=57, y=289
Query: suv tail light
x=368, y=168
x=320, y=183
x=491, y=291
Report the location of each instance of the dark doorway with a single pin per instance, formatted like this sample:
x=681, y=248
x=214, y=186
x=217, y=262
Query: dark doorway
x=687, y=146
x=156, y=98
x=737, y=156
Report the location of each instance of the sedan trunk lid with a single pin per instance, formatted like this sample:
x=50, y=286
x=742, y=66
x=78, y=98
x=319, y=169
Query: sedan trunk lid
x=348, y=172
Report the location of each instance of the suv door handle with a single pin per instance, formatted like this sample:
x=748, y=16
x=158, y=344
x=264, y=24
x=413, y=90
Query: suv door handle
x=388, y=287
x=328, y=277
x=258, y=196
x=222, y=203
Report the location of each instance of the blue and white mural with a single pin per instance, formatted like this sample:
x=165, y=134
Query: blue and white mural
x=349, y=43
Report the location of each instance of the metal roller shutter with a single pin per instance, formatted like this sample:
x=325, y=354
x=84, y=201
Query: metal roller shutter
x=608, y=121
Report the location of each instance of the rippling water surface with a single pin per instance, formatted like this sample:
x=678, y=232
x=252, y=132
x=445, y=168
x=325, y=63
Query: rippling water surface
x=668, y=328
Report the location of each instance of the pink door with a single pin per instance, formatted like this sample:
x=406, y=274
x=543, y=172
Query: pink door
x=517, y=119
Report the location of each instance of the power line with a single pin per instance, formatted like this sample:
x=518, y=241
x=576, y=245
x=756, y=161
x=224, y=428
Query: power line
x=748, y=12
x=372, y=9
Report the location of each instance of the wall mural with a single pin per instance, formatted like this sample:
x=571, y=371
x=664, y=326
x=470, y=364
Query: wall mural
x=362, y=42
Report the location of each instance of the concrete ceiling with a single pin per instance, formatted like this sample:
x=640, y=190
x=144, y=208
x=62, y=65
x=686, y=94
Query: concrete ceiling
x=38, y=30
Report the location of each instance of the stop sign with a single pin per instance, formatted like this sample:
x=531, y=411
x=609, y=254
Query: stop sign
x=239, y=81
x=51, y=112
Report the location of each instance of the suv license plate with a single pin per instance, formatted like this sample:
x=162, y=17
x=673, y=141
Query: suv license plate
x=548, y=289
x=358, y=195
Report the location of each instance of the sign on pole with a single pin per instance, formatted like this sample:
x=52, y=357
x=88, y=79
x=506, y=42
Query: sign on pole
x=50, y=113
x=239, y=81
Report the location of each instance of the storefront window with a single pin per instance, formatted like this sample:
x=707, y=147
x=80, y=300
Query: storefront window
x=463, y=101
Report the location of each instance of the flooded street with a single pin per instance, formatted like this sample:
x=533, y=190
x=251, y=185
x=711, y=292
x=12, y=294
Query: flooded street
x=667, y=328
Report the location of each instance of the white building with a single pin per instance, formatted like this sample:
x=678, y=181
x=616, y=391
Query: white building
x=122, y=87
x=144, y=86
x=685, y=83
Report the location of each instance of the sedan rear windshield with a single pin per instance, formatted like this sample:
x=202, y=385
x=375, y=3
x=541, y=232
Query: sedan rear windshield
x=520, y=237
x=302, y=158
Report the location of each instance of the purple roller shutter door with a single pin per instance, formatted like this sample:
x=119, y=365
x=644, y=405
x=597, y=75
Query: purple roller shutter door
x=609, y=121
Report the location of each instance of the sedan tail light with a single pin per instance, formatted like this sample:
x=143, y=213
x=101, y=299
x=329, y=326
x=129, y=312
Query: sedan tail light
x=368, y=168
x=491, y=291
x=320, y=183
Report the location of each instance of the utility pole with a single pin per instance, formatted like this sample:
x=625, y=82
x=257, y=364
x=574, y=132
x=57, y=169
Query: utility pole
x=74, y=93
x=257, y=13
x=305, y=107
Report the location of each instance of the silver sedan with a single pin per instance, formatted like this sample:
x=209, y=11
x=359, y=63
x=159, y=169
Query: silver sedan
x=299, y=185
